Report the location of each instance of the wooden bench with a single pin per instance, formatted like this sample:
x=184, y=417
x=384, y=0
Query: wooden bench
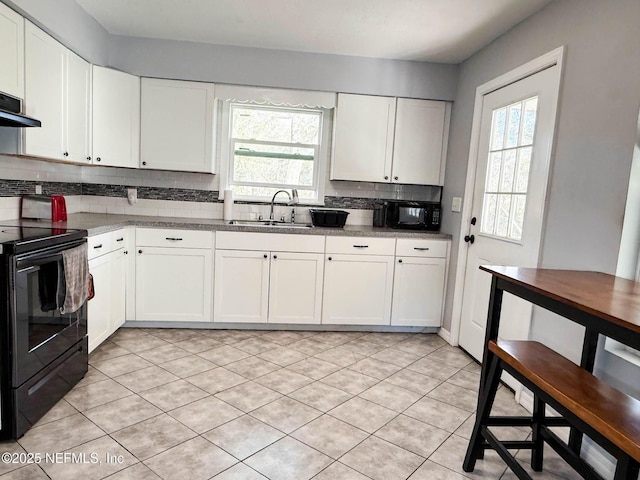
x=608, y=416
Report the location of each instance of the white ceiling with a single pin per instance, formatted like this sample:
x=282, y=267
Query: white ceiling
x=446, y=31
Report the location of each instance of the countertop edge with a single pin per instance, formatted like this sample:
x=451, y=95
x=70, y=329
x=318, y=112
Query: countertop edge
x=96, y=224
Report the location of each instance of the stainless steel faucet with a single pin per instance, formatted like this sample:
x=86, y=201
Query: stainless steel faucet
x=292, y=201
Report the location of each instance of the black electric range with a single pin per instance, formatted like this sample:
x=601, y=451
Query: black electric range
x=43, y=352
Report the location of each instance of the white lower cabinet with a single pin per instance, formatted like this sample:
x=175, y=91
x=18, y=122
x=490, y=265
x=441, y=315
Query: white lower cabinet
x=108, y=266
x=419, y=282
x=173, y=284
x=241, y=286
x=357, y=289
x=418, y=290
x=295, y=287
x=280, y=283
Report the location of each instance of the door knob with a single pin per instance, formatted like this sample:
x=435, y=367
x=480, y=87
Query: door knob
x=473, y=220
x=469, y=239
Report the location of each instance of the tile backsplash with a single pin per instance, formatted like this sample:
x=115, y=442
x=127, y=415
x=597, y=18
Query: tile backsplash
x=164, y=193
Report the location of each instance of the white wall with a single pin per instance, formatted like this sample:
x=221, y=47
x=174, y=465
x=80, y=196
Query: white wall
x=596, y=132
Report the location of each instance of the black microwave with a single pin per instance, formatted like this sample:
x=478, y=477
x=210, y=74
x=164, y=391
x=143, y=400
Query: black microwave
x=408, y=214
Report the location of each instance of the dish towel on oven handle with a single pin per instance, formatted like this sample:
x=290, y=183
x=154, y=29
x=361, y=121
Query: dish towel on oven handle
x=76, y=275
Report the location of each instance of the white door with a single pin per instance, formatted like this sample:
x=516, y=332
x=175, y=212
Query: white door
x=241, y=286
x=176, y=126
x=418, y=289
x=11, y=52
x=419, y=141
x=173, y=284
x=357, y=290
x=116, y=118
x=363, y=138
x=44, y=93
x=77, y=109
x=118, y=288
x=516, y=135
x=99, y=307
x=295, y=287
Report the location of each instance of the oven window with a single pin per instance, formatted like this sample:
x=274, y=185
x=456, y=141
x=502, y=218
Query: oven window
x=44, y=299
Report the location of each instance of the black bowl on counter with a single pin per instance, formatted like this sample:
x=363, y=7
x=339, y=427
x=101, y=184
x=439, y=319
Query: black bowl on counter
x=328, y=218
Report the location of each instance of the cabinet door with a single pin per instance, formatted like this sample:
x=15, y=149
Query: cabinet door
x=363, y=138
x=173, y=284
x=118, y=288
x=116, y=118
x=11, y=52
x=241, y=286
x=100, y=307
x=418, y=290
x=295, y=287
x=44, y=93
x=176, y=125
x=357, y=290
x=77, y=109
x=419, y=140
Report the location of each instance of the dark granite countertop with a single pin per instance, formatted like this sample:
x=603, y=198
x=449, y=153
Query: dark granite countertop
x=96, y=223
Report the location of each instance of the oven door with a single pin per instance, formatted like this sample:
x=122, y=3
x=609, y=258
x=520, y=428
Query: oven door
x=40, y=332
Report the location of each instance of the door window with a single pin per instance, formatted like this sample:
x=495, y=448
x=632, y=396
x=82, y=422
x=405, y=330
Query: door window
x=508, y=166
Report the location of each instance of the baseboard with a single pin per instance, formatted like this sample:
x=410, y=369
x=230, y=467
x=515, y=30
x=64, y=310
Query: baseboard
x=446, y=335
x=593, y=454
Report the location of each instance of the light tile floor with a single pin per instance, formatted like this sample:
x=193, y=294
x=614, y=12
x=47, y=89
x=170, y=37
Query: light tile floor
x=244, y=405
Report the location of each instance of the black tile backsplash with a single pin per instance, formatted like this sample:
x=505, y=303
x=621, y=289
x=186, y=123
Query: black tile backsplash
x=15, y=188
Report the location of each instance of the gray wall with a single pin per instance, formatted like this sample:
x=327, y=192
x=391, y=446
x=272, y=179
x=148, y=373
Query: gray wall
x=71, y=25
x=595, y=136
x=277, y=68
x=66, y=21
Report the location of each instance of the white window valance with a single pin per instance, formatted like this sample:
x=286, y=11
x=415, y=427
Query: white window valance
x=276, y=96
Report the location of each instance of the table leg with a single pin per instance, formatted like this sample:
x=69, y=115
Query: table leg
x=588, y=360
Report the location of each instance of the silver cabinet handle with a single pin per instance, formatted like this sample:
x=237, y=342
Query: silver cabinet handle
x=361, y=246
x=173, y=239
x=421, y=249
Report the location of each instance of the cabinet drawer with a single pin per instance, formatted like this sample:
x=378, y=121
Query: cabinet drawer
x=361, y=245
x=410, y=247
x=100, y=244
x=119, y=239
x=271, y=242
x=168, y=237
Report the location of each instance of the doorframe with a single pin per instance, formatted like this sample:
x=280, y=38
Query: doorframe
x=550, y=59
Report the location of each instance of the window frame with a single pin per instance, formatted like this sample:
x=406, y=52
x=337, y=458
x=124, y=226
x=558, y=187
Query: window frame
x=227, y=151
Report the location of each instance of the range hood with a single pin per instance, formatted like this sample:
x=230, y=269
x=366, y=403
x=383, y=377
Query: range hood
x=10, y=115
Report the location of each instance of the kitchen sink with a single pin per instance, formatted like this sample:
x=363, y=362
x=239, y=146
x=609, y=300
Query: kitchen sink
x=268, y=223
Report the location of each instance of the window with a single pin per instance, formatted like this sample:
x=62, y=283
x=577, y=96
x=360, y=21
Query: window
x=272, y=148
x=512, y=132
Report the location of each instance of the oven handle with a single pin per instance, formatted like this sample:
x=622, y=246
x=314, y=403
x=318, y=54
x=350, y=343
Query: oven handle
x=44, y=256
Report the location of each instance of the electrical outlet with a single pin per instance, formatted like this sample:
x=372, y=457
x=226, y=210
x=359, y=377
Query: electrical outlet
x=38, y=189
x=456, y=204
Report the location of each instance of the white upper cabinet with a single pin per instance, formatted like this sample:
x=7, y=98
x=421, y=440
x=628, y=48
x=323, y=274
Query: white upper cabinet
x=45, y=61
x=116, y=118
x=418, y=147
x=384, y=139
x=363, y=138
x=176, y=125
x=77, y=109
x=11, y=52
x=58, y=93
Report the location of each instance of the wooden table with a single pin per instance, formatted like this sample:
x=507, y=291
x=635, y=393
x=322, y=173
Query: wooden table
x=603, y=304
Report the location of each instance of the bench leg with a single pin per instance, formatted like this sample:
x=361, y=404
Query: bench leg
x=537, y=453
x=626, y=469
x=488, y=394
